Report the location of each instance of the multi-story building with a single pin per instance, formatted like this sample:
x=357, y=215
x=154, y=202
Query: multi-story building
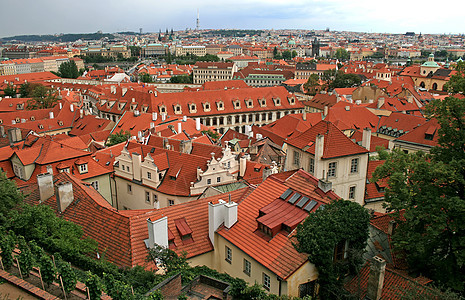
x=152, y=50
x=213, y=71
x=195, y=50
x=323, y=150
x=303, y=71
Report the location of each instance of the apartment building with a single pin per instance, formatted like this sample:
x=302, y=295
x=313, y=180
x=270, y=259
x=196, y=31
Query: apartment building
x=213, y=71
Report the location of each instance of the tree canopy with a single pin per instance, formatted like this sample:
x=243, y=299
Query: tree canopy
x=340, y=222
x=342, y=54
x=427, y=192
x=68, y=70
x=42, y=97
x=456, y=84
x=118, y=137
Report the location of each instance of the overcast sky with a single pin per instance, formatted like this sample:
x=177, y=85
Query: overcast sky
x=19, y=17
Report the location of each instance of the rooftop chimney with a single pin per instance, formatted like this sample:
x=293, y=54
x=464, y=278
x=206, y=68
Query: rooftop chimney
x=197, y=124
x=158, y=232
x=179, y=127
x=64, y=195
x=216, y=214
x=325, y=111
x=366, y=138
x=230, y=216
x=51, y=115
x=325, y=185
x=45, y=183
x=380, y=102
x=154, y=116
x=304, y=116
x=391, y=227
x=376, y=278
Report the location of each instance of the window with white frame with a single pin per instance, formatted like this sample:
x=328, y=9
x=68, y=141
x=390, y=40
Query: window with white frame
x=247, y=267
x=352, y=192
x=332, y=169
x=354, y=165
x=228, y=255
x=149, y=175
x=147, y=197
x=83, y=168
x=155, y=198
x=266, y=282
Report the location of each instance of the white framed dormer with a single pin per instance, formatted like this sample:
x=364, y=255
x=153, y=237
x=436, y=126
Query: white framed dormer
x=277, y=101
x=249, y=103
x=192, y=108
x=206, y=106
x=237, y=104
x=219, y=105
x=262, y=102
x=82, y=167
x=291, y=100
x=162, y=109
x=177, y=109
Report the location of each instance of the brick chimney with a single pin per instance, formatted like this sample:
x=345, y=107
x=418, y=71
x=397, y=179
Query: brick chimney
x=64, y=195
x=45, y=183
x=376, y=278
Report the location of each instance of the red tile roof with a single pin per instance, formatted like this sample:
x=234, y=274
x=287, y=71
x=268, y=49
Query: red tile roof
x=336, y=143
x=277, y=253
x=425, y=135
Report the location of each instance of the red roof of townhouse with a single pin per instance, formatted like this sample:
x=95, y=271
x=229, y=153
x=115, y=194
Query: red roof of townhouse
x=336, y=143
x=346, y=115
x=224, y=85
x=374, y=190
x=424, y=135
x=398, y=124
x=276, y=253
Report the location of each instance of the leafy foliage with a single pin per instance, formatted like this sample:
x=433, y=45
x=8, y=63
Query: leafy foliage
x=66, y=272
x=8, y=242
x=343, y=80
x=116, y=289
x=430, y=191
x=47, y=269
x=182, y=79
x=42, y=97
x=340, y=221
x=312, y=83
x=94, y=285
x=9, y=91
x=167, y=259
x=145, y=77
x=118, y=137
x=9, y=195
x=214, y=135
x=456, y=84
x=342, y=54
x=68, y=70
x=25, y=258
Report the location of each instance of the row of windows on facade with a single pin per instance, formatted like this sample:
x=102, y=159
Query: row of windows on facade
x=214, y=121
x=148, y=198
x=332, y=166
x=247, y=268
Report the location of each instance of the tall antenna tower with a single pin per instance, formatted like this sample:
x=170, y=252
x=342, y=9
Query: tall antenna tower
x=198, y=21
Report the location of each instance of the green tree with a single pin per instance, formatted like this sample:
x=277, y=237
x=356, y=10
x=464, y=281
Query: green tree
x=293, y=53
x=343, y=80
x=456, y=84
x=118, y=137
x=8, y=243
x=275, y=52
x=427, y=192
x=212, y=134
x=188, y=79
x=42, y=97
x=47, y=269
x=25, y=258
x=145, y=77
x=342, y=54
x=155, y=295
x=167, y=259
x=9, y=91
x=340, y=223
x=116, y=289
x=94, y=285
x=66, y=272
x=287, y=54
x=68, y=70
x=9, y=195
x=311, y=84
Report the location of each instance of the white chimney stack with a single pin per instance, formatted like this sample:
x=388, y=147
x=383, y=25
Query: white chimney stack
x=163, y=117
x=45, y=183
x=51, y=115
x=230, y=216
x=71, y=107
x=64, y=195
x=366, y=138
x=184, y=118
x=215, y=218
x=154, y=116
x=179, y=127
x=197, y=124
x=158, y=232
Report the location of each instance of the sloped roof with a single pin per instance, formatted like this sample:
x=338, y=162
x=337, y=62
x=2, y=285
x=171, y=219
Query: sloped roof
x=336, y=143
x=425, y=135
x=278, y=253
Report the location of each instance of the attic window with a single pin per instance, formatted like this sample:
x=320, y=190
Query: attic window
x=17, y=120
x=162, y=109
x=277, y=101
x=193, y=108
x=184, y=230
x=249, y=103
x=237, y=104
x=1, y=121
x=144, y=108
x=133, y=106
x=206, y=106
x=33, y=118
x=220, y=105
x=292, y=100
x=262, y=102
x=177, y=109
x=60, y=123
x=41, y=126
x=120, y=106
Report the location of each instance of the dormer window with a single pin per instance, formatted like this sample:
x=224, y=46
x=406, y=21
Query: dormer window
x=82, y=166
x=177, y=109
x=206, y=106
x=17, y=120
x=33, y=118
x=19, y=106
x=262, y=102
x=60, y=123
x=145, y=108
x=162, y=109
x=220, y=105
x=41, y=126
x=249, y=103
x=237, y=104
x=133, y=106
x=120, y=106
x=277, y=101
x=184, y=230
x=291, y=100
x=192, y=108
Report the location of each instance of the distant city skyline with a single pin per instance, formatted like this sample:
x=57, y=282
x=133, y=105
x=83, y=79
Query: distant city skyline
x=85, y=16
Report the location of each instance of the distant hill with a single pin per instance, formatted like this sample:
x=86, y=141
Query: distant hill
x=58, y=38
x=233, y=32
